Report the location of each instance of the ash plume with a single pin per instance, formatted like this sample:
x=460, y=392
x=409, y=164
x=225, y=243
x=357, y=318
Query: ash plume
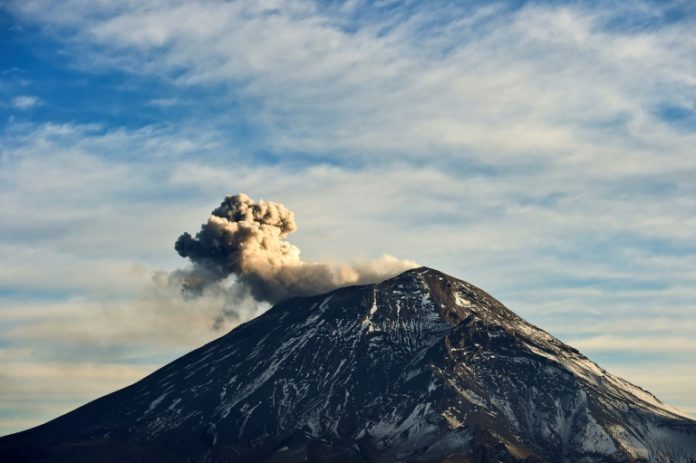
x=246, y=240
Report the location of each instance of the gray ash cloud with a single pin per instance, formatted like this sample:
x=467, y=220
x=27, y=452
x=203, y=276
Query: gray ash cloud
x=246, y=240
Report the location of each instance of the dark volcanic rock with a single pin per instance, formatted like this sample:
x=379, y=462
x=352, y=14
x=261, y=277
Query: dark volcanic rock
x=420, y=368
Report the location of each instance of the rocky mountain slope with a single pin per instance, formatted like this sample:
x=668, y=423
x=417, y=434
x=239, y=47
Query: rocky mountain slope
x=420, y=368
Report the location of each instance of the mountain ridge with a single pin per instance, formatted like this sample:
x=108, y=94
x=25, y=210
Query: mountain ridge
x=422, y=367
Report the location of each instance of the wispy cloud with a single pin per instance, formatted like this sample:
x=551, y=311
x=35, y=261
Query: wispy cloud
x=164, y=102
x=545, y=82
x=648, y=345
x=25, y=102
x=35, y=391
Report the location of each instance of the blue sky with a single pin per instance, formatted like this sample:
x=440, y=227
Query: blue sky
x=543, y=151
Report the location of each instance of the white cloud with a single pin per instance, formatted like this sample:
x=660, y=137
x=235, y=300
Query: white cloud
x=25, y=102
x=164, y=102
x=541, y=83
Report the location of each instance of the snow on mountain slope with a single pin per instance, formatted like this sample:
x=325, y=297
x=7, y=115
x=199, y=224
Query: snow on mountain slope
x=420, y=368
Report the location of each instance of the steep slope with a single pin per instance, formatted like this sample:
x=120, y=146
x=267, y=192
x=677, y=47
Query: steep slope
x=420, y=368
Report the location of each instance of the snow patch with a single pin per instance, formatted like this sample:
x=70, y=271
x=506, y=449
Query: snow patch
x=461, y=301
x=595, y=439
x=367, y=321
x=156, y=402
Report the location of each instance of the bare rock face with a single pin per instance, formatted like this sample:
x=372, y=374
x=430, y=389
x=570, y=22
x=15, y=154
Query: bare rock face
x=420, y=368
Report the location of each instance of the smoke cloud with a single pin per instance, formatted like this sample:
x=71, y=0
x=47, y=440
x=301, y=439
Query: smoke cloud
x=246, y=240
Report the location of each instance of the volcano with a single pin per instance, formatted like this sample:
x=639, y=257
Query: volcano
x=422, y=368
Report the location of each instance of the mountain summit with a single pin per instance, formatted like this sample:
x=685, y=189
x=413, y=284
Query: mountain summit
x=419, y=368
